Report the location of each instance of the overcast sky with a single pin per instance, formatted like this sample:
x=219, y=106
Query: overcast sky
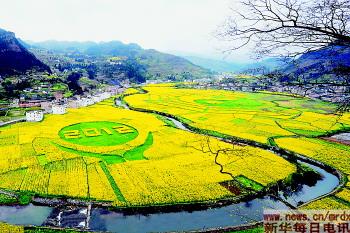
x=177, y=26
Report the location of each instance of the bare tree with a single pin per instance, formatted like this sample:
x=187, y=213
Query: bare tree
x=237, y=153
x=288, y=27
x=206, y=146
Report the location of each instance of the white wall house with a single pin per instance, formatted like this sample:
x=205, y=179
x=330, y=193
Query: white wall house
x=46, y=106
x=96, y=99
x=100, y=97
x=105, y=95
x=73, y=104
x=58, y=109
x=85, y=102
x=34, y=116
x=15, y=103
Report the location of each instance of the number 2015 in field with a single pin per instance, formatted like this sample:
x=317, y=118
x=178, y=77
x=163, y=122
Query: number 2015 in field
x=94, y=132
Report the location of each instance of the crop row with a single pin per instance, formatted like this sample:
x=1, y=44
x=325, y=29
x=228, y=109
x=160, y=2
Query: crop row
x=253, y=116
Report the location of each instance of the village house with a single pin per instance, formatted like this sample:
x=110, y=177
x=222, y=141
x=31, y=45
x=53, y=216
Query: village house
x=73, y=104
x=30, y=103
x=83, y=102
x=46, y=106
x=58, y=109
x=96, y=98
x=58, y=95
x=114, y=90
x=34, y=116
x=100, y=97
x=15, y=103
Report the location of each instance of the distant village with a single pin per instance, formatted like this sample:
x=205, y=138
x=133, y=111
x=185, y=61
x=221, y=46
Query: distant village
x=60, y=104
x=37, y=106
x=247, y=83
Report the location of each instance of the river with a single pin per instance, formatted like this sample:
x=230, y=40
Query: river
x=99, y=219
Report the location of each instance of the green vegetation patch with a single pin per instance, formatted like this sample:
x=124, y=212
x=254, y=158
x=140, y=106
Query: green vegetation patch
x=233, y=103
x=6, y=140
x=67, y=94
x=167, y=121
x=239, y=121
x=304, y=104
x=108, y=158
x=100, y=133
x=138, y=152
x=249, y=183
x=253, y=230
x=308, y=133
x=25, y=197
x=7, y=199
x=112, y=182
x=59, y=87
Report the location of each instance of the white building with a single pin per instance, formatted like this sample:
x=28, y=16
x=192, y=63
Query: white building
x=85, y=102
x=96, y=99
x=34, y=116
x=100, y=97
x=15, y=103
x=58, y=109
x=46, y=106
x=73, y=104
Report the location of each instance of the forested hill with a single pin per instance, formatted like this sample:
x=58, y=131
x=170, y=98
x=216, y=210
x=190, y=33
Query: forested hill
x=157, y=65
x=331, y=64
x=15, y=58
x=252, y=66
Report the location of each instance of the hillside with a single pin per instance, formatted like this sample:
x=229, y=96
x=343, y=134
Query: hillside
x=155, y=64
x=254, y=67
x=162, y=64
x=324, y=65
x=215, y=65
x=15, y=58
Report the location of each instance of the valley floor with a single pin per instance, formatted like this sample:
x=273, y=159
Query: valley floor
x=137, y=158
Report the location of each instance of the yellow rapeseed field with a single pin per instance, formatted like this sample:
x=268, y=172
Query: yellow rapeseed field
x=254, y=116
x=333, y=154
x=291, y=122
x=7, y=228
x=157, y=165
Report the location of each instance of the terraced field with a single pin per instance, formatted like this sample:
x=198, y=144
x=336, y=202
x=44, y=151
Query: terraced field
x=293, y=123
x=127, y=158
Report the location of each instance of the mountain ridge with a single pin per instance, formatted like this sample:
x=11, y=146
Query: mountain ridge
x=216, y=65
x=324, y=65
x=158, y=65
x=15, y=58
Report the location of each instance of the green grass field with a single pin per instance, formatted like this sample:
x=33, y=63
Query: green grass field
x=100, y=133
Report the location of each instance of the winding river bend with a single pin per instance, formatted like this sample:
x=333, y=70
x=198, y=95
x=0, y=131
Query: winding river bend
x=225, y=216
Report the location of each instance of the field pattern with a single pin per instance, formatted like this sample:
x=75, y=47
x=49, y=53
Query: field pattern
x=128, y=158
x=253, y=116
x=292, y=123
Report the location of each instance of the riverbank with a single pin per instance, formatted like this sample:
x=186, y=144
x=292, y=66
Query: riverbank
x=208, y=215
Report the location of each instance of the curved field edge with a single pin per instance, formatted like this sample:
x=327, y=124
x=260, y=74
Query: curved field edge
x=321, y=150
x=45, y=199
x=270, y=145
x=198, y=202
x=288, y=154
